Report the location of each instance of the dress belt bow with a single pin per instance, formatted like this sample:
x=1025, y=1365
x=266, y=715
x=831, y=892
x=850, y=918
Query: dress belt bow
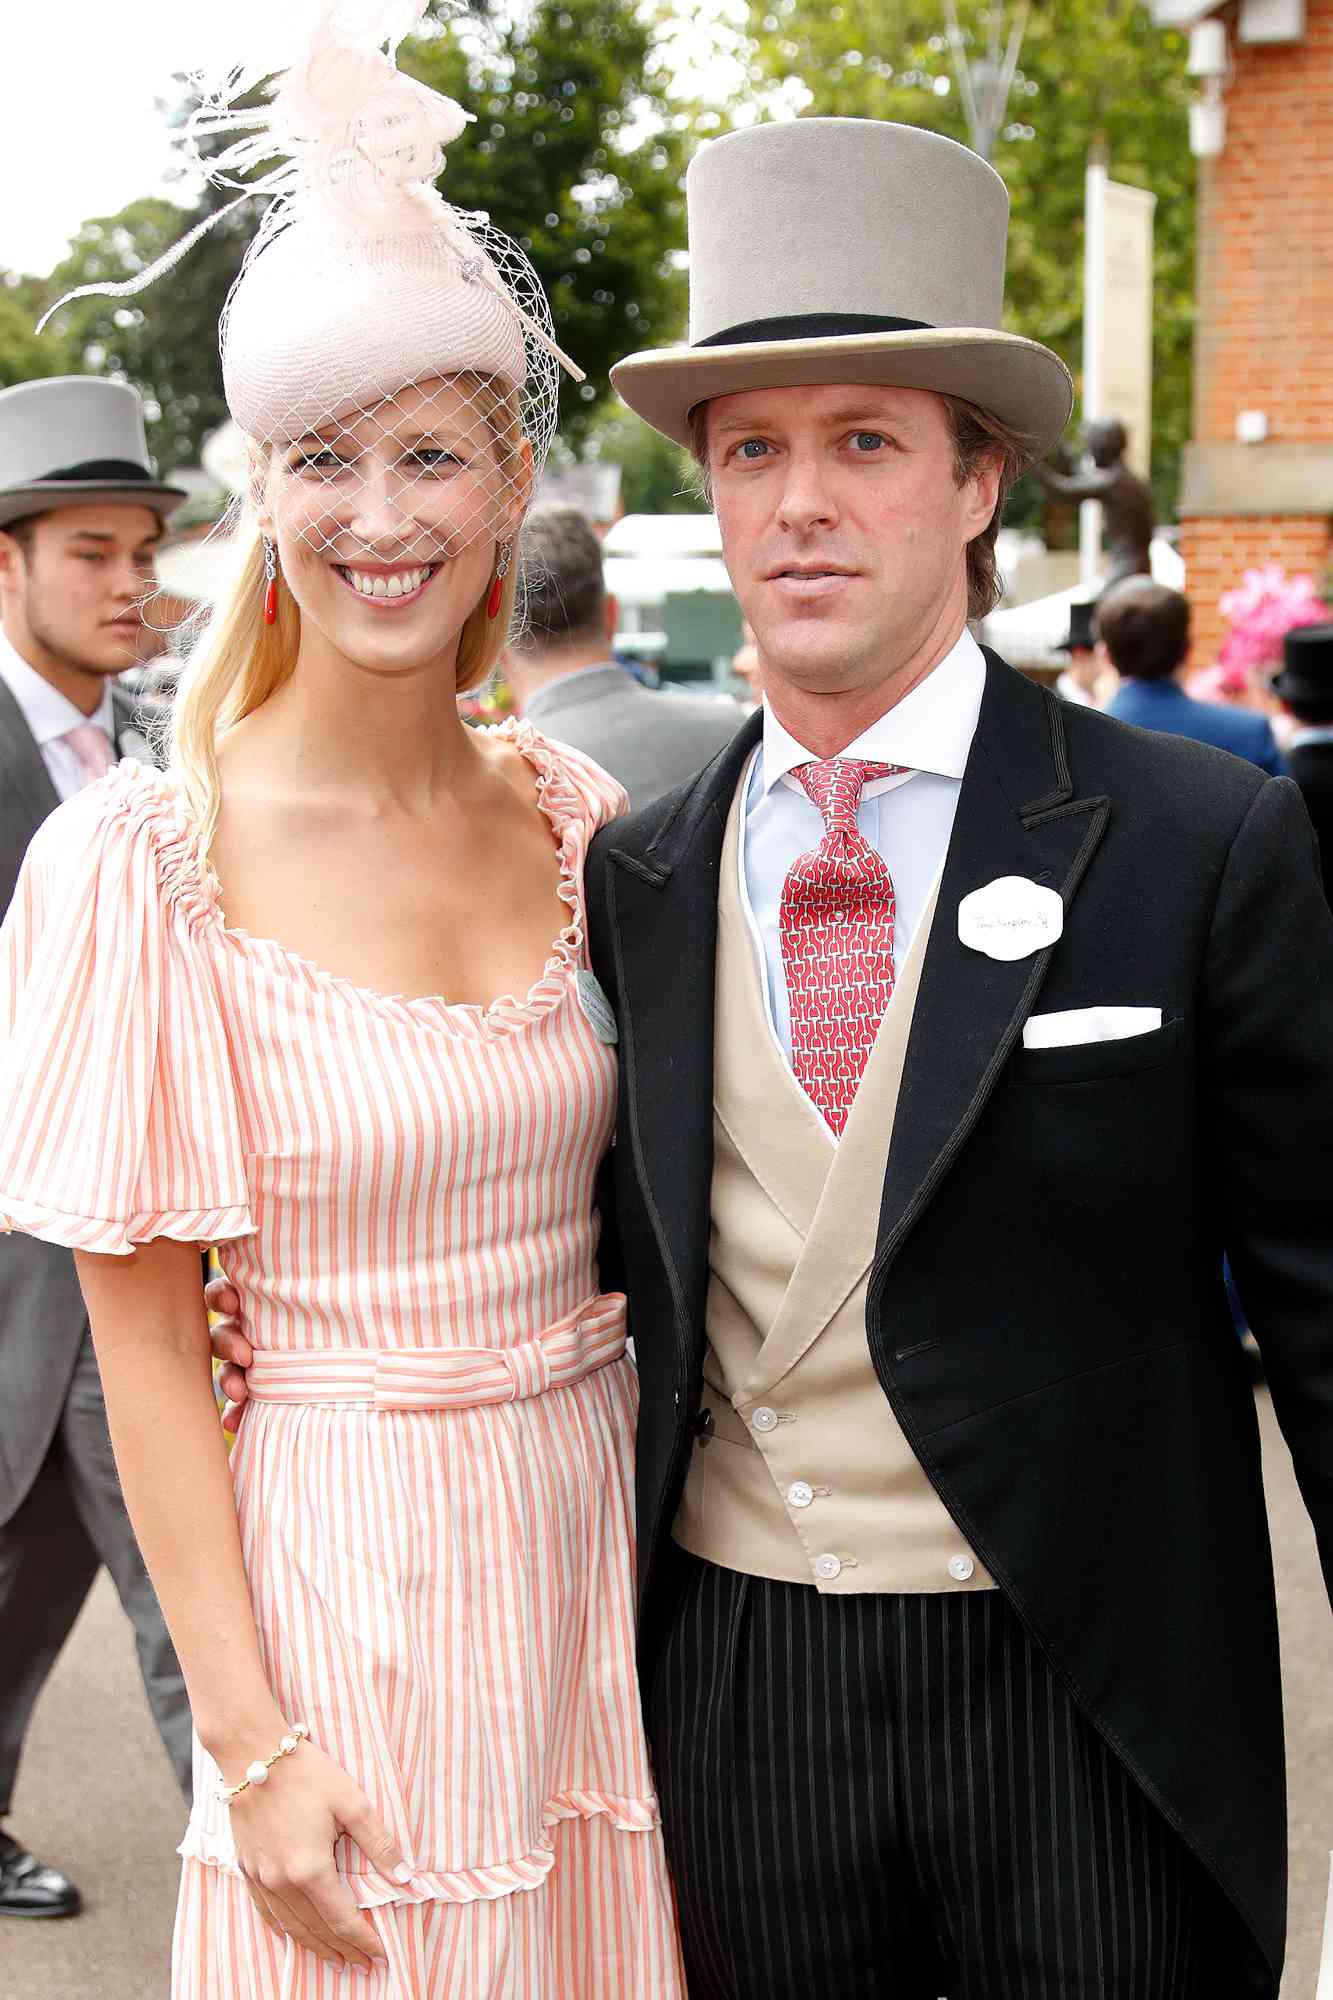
x=445, y=1378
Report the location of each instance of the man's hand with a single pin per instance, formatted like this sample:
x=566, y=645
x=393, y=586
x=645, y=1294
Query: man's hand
x=230, y=1347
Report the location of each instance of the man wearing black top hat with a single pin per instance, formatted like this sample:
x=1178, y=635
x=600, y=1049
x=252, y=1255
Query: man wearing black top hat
x=81, y=514
x=1305, y=689
x=1078, y=682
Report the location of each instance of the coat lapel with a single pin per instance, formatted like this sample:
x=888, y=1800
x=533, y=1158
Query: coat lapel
x=662, y=909
x=23, y=773
x=1017, y=815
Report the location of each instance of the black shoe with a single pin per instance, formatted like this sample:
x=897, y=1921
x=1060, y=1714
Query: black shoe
x=27, y=1889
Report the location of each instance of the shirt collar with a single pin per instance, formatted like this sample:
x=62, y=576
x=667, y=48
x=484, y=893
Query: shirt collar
x=930, y=729
x=47, y=712
x=1312, y=733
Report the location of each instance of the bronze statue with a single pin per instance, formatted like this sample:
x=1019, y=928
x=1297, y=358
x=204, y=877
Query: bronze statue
x=1126, y=499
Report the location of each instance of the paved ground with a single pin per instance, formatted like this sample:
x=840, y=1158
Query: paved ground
x=97, y=1795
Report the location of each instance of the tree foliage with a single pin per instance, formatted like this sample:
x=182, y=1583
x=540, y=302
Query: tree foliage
x=24, y=355
x=656, y=476
x=1091, y=71
x=577, y=155
x=574, y=152
x=164, y=340
x=578, y=151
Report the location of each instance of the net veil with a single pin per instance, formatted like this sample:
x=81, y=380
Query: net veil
x=396, y=406
x=390, y=358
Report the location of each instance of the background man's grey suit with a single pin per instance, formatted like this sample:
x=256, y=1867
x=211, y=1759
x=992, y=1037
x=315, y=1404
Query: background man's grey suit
x=648, y=739
x=61, y=1512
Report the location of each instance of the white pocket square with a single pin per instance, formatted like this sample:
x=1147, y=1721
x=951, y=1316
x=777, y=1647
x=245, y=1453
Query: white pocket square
x=1088, y=1024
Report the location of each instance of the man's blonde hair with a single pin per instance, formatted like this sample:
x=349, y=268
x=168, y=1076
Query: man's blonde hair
x=976, y=436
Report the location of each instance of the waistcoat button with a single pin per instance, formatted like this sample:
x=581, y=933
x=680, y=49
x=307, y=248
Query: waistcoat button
x=961, y=1568
x=799, y=1494
x=763, y=1419
x=827, y=1567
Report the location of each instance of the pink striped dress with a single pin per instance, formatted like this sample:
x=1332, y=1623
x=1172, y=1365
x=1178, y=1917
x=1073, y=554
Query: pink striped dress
x=433, y=1479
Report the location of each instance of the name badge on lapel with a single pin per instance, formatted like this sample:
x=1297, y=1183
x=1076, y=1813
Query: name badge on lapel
x=1011, y=918
x=596, y=1007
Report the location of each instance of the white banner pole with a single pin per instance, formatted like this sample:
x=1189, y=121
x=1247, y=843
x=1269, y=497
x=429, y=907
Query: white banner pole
x=1094, y=348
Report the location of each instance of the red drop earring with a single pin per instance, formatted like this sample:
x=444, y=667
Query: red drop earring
x=271, y=583
x=497, y=587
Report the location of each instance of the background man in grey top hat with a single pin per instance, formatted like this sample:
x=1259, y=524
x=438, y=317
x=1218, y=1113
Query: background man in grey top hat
x=958, y=1643
x=81, y=514
x=564, y=679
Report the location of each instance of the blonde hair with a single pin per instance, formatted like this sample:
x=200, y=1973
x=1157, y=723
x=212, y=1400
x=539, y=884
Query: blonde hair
x=240, y=660
x=976, y=436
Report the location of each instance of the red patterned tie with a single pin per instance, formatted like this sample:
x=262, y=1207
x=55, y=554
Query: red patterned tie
x=836, y=925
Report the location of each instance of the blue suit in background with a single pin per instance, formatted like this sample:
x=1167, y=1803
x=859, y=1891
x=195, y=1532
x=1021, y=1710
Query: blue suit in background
x=1162, y=704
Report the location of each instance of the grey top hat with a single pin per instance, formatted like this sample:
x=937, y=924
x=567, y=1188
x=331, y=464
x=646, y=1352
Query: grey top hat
x=848, y=250
x=70, y=440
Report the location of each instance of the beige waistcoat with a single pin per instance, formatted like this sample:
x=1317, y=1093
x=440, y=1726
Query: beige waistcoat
x=807, y=1476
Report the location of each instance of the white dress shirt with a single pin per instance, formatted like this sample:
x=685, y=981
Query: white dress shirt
x=907, y=820
x=50, y=715
x=1070, y=689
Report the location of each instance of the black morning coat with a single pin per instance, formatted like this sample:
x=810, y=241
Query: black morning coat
x=1046, y=1311
x=1311, y=765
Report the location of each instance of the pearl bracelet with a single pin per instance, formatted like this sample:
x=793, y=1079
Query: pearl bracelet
x=257, y=1773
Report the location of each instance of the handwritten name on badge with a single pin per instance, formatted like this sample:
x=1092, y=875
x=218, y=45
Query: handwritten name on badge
x=1010, y=918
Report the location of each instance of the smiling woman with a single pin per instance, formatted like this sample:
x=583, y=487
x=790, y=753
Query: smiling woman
x=406, y=506
x=345, y=934
x=392, y=495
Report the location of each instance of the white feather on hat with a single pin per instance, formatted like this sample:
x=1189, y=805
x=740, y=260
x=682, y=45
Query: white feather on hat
x=361, y=278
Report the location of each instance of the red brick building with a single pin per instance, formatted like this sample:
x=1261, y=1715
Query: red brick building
x=1263, y=348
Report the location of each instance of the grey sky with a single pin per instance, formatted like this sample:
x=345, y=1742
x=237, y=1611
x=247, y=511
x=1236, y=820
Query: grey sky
x=78, y=132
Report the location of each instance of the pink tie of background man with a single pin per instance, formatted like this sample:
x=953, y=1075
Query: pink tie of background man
x=92, y=747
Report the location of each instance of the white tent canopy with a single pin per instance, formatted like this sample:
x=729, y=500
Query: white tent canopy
x=663, y=535
x=1028, y=634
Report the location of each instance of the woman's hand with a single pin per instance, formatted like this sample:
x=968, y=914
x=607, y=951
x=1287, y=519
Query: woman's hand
x=284, y=1832
x=230, y=1347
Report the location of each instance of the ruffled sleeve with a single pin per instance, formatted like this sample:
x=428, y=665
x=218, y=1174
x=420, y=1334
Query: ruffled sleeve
x=118, y=1113
x=594, y=793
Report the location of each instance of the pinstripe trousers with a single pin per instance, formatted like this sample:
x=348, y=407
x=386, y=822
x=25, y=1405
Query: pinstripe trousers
x=894, y=1796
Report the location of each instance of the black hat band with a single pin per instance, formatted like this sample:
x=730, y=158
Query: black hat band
x=123, y=470
x=811, y=326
